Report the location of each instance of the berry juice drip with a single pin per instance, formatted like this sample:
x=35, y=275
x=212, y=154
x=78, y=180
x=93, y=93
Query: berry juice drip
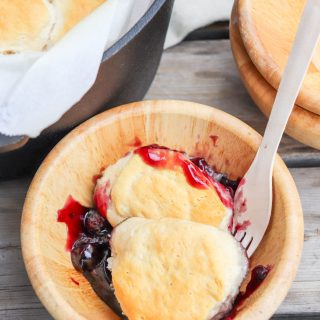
x=85, y=226
x=258, y=275
x=197, y=172
x=163, y=158
x=136, y=142
x=75, y=281
x=72, y=215
x=102, y=199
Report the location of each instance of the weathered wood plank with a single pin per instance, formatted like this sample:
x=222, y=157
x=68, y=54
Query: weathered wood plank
x=204, y=72
x=18, y=301
x=37, y=313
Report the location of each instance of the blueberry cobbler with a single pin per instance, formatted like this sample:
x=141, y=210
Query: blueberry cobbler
x=158, y=245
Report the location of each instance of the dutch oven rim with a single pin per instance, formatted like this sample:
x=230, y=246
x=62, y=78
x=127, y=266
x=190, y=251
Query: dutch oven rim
x=135, y=30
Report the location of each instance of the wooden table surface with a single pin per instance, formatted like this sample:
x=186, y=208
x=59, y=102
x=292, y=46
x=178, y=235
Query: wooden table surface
x=201, y=71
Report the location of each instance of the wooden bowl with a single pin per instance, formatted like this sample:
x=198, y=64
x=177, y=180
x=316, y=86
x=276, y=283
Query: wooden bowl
x=268, y=29
x=303, y=125
x=69, y=169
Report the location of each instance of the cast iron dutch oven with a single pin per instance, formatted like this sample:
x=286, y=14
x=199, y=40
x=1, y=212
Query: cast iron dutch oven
x=126, y=72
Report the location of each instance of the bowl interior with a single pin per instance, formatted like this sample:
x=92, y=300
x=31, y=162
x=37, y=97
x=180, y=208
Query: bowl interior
x=70, y=167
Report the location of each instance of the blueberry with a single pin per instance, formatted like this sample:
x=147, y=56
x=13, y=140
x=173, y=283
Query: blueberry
x=91, y=257
x=87, y=253
x=96, y=225
x=229, y=183
x=260, y=272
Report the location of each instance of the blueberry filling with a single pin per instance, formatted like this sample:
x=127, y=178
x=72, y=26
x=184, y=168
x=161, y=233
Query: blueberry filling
x=96, y=225
x=92, y=247
x=258, y=275
x=87, y=256
x=90, y=253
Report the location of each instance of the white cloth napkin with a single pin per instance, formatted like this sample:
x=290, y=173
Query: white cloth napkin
x=189, y=15
x=36, y=89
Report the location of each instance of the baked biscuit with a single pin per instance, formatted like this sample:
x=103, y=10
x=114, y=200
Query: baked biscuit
x=175, y=269
x=25, y=25
x=132, y=188
x=34, y=25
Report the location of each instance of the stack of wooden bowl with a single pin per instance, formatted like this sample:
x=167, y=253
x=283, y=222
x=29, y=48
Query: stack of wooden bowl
x=261, y=34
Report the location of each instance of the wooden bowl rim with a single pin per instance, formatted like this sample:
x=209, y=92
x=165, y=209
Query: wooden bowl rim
x=277, y=287
x=307, y=99
x=302, y=123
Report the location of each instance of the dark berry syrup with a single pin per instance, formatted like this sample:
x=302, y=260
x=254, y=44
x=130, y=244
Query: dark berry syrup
x=88, y=234
x=258, y=275
x=88, y=239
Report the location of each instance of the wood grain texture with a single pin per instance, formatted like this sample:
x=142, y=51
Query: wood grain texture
x=205, y=72
x=303, y=125
x=268, y=29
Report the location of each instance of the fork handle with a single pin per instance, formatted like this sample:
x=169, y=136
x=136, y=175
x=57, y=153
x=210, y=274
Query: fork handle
x=299, y=59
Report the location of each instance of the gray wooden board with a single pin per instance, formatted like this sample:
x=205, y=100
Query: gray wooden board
x=201, y=71
x=204, y=72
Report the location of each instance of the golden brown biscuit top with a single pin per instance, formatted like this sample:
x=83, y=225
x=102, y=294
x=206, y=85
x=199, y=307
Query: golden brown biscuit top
x=33, y=25
x=140, y=190
x=174, y=269
x=24, y=25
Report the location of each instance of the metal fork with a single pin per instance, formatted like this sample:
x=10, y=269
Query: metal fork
x=253, y=198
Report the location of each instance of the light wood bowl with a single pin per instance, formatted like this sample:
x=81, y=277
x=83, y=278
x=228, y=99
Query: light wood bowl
x=268, y=29
x=303, y=125
x=69, y=169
